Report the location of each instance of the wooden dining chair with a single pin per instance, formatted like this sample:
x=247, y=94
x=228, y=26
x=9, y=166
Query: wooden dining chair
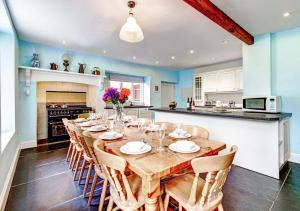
x=98, y=171
x=84, y=115
x=196, y=194
x=168, y=126
x=77, y=154
x=196, y=131
x=72, y=142
x=125, y=191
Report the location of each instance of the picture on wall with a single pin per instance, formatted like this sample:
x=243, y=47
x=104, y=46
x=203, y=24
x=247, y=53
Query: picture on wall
x=156, y=88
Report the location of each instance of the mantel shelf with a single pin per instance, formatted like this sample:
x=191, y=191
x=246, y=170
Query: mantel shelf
x=29, y=74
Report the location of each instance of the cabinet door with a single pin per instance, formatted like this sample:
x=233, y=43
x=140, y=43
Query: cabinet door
x=239, y=79
x=197, y=88
x=226, y=81
x=210, y=82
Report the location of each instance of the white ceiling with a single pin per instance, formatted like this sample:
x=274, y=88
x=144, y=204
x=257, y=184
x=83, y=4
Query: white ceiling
x=4, y=20
x=171, y=27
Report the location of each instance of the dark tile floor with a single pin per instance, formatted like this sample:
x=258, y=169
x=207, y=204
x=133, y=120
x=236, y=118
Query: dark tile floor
x=43, y=181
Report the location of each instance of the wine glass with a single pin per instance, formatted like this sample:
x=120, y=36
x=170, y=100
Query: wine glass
x=142, y=130
x=161, y=135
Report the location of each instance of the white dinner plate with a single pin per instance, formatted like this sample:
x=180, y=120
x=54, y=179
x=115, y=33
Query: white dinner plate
x=175, y=148
x=80, y=120
x=106, y=137
x=94, y=129
x=88, y=124
x=174, y=135
x=124, y=149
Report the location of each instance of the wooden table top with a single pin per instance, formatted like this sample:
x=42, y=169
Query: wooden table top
x=161, y=164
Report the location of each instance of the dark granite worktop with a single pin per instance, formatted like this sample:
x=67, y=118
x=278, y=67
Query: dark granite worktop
x=229, y=114
x=129, y=106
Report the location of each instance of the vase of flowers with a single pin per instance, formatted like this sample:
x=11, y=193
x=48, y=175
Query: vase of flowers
x=117, y=99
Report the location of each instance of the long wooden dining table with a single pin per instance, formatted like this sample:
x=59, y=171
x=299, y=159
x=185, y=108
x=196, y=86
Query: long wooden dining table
x=155, y=166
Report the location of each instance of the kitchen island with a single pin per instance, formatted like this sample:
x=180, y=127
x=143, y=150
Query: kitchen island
x=262, y=139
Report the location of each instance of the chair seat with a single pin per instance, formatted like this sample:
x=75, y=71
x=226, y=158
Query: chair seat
x=135, y=183
x=179, y=188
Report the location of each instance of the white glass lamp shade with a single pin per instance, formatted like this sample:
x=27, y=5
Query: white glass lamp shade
x=131, y=31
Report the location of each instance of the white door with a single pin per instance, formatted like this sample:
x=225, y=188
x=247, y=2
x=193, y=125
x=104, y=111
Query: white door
x=239, y=79
x=167, y=94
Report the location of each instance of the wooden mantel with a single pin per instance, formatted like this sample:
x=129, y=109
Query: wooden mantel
x=215, y=14
x=29, y=74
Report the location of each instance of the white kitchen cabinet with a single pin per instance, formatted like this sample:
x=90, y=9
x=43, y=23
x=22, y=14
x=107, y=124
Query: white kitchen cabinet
x=239, y=79
x=210, y=83
x=226, y=81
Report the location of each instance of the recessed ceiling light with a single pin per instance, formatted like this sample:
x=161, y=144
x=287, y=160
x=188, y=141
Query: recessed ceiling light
x=213, y=58
x=64, y=42
x=225, y=42
x=286, y=14
x=156, y=62
x=192, y=51
x=104, y=51
x=173, y=57
x=134, y=57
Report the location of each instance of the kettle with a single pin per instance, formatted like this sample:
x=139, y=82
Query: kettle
x=81, y=67
x=53, y=66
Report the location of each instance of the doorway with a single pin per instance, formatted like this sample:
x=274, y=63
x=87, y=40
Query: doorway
x=167, y=93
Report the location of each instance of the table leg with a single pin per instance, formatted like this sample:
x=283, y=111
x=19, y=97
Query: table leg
x=151, y=204
x=151, y=189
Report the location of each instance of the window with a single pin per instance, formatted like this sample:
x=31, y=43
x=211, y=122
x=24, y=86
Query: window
x=135, y=84
x=7, y=88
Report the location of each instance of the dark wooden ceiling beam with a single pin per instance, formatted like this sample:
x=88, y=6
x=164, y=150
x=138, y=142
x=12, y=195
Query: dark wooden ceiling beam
x=219, y=17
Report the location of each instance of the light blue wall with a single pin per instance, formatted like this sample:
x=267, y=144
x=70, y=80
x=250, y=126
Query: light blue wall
x=185, y=82
x=257, y=66
x=278, y=52
x=286, y=78
x=47, y=54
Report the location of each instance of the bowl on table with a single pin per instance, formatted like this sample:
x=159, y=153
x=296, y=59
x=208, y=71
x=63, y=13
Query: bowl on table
x=184, y=146
x=135, y=147
x=97, y=128
x=179, y=133
x=88, y=124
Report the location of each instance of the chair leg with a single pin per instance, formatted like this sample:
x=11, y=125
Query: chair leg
x=220, y=207
x=69, y=151
x=180, y=207
x=166, y=203
x=77, y=165
x=87, y=179
x=81, y=171
x=110, y=204
x=93, y=188
x=103, y=193
x=74, y=160
x=161, y=206
x=72, y=156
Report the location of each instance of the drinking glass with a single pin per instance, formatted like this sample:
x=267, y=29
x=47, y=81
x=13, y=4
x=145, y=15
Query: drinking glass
x=142, y=130
x=161, y=135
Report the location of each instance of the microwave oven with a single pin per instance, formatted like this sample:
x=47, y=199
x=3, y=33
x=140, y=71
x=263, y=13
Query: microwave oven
x=264, y=104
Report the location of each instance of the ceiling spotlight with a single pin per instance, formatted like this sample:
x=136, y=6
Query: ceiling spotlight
x=156, y=62
x=225, y=42
x=104, y=51
x=286, y=14
x=131, y=31
x=192, y=51
x=173, y=57
x=213, y=58
x=64, y=42
x=134, y=57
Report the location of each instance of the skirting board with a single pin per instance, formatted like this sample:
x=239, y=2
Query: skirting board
x=28, y=144
x=9, y=179
x=295, y=158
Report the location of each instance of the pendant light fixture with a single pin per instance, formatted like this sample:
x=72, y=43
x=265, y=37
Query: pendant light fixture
x=131, y=31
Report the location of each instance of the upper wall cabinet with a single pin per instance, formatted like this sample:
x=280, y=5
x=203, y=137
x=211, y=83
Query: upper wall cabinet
x=229, y=80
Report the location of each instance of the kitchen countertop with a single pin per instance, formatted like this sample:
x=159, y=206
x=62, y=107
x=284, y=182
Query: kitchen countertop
x=129, y=106
x=231, y=114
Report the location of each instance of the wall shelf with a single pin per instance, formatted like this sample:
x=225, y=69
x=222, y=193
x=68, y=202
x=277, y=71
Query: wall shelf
x=29, y=74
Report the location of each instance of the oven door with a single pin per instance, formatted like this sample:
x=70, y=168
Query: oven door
x=57, y=131
x=258, y=104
